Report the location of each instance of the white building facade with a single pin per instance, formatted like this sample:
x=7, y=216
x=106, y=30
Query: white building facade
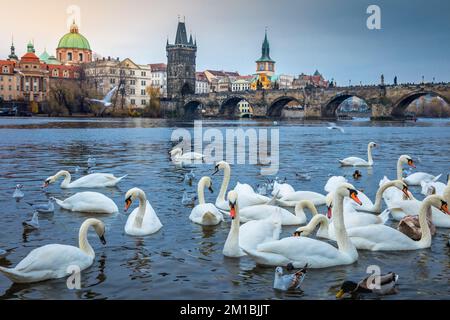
x=131, y=78
x=159, y=77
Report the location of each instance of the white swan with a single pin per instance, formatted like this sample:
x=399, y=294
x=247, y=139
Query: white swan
x=415, y=179
x=282, y=189
x=333, y=183
x=402, y=208
x=143, y=221
x=354, y=218
x=205, y=213
x=317, y=254
x=177, y=155
x=251, y=234
x=292, y=199
x=383, y=238
x=55, y=261
x=358, y=162
x=262, y=212
x=369, y=206
x=95, y=180
x=90, y=202
x=432, y=187
x=247, y=196
x=392, y=193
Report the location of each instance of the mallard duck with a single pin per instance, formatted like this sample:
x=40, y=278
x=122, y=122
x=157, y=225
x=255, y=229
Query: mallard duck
x=410, y=226
x=357, y=175
x=350, y=289
x=289, y=281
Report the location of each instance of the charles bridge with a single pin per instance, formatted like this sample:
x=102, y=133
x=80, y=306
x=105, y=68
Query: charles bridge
x=385, y=101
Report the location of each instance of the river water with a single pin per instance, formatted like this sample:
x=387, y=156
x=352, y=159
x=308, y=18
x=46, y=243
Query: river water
x=184, y=260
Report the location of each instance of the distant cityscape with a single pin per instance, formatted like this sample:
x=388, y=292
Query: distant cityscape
x=43, y=82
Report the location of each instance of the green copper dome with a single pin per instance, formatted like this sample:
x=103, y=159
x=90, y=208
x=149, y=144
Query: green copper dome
x=74, y=40
x=44, y=56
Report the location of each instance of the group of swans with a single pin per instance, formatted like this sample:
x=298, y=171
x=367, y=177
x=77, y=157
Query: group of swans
x=90, y=202
x=379, y=237
x=253, y=206
x=56, y=261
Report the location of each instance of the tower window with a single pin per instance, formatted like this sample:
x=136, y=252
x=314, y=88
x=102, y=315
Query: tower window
x=69, y=56
x=80, y=55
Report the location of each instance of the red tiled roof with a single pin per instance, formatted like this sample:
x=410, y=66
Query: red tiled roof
x=29, y=57
x=158, y=67
x=8, y=63
x=201, y=76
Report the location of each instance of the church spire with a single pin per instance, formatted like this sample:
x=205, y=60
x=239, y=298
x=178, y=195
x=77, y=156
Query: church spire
x=13, y=55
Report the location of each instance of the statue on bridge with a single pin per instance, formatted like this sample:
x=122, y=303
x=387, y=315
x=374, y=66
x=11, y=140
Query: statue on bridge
x=382, y=79
x=395, y=81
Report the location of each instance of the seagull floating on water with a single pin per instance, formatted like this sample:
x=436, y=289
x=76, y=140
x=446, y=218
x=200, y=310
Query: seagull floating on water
x=18, y=193
x=189, y=178
x=91, y=162
x=290, y=281
x=44, y=208
x=32, y=224
x=188, y=200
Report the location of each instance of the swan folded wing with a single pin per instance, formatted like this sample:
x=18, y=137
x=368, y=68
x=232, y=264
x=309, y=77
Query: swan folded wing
x=333, y=183
x=91, y=202
x=351, y=161
x=95, y=180
x=254, y=233
x=302, y=250
x=381, y=237
x=53, y=260
x=151, y=221
x=304, y=195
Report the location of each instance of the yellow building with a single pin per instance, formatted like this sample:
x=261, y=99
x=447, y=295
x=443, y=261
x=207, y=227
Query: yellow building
x=265, y=68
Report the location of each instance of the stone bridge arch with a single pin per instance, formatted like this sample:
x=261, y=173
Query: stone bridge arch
x=329, y=108
x=275, y=108
x=229, y=105
x=399, y=107
x=192, y=108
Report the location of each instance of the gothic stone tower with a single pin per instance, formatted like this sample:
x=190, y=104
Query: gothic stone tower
x=181, y=64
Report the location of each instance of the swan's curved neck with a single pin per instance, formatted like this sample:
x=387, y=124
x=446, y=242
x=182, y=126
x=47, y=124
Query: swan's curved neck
x=379, y=195
x=425, y=240
x=232, y=243
x=139, y=218
x=67, y=178
x=83, y=240
x=369, y=155
x=302, y=205
x=342, y=239
x=320, y=220
x=400, y=169
x=201, y=191
x=225, y=183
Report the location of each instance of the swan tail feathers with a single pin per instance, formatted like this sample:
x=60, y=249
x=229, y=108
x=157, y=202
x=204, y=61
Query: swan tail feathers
x=121, y=178
x=435, y=179
x=13, y=275
x=60, y=203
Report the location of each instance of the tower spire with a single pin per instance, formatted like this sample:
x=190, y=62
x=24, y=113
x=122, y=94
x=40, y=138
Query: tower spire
x=13, y=55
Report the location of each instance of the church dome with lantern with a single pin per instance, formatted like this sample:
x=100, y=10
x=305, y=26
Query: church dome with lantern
x=74, y=48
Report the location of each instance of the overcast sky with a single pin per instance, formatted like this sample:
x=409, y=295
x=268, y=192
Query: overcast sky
x=329, y=35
